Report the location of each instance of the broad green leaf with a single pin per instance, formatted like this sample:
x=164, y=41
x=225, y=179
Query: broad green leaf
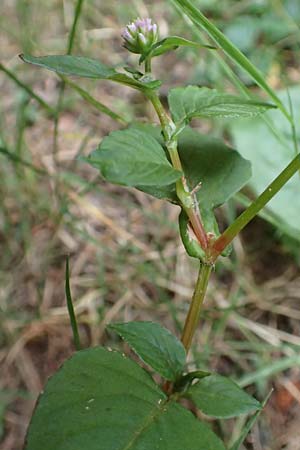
x=155, y=345
x=87, y=68
x=193, y=101
x=269, y=156
x=221, y=171
x=172, y=43
x=132, y=157
x=103, y=400
x=220, y=397
x=230, y=49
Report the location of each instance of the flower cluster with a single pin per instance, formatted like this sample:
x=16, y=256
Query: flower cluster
x=140, y=35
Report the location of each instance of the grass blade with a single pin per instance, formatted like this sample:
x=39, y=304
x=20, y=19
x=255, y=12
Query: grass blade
x=27, y=89
x=270, y=370
x=99, y=106
x=74, y=26
x=19, y=160
x=78, y=9
x=249, y=425
x=71, y=309
x=230, y=49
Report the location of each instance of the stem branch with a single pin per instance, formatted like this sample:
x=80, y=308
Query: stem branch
x=243, y=220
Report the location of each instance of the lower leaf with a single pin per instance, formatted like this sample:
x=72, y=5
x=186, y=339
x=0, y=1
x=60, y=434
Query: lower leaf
x=220, y=397
x=102, y=400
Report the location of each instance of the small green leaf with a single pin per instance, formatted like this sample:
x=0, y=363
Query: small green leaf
x=192, y=101
x=88, y=68
x=102, y=400
x=220, y=397
x=172, y=43
x=72, y=65
x=155, y=345
x=132, y=157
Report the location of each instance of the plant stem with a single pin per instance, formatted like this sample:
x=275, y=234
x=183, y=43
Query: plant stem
x=193, y=316
x=243, y=220
x=148, y=65
x=182, y=189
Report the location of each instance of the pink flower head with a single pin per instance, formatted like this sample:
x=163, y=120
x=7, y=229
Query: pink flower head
x=140, y=35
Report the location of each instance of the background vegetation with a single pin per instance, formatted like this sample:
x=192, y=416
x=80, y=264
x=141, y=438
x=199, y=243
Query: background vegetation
x=127, y=262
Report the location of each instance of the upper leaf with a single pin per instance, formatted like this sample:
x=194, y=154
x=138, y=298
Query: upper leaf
x=155, y=345
x=171, y=43
x=87, y=68
x=133, y=157
x=193, y=12
x=100, y=399
x=193, y=101
x=220, y=397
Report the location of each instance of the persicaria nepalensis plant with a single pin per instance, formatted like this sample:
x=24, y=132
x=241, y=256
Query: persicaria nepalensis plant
x=100, y=399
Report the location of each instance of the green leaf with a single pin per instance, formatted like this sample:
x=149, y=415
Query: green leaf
x=193, y=101
x=172, y=43
x=87, y=68
x=220, y=397
x=132, y=157
x=101, y=399
x=155, y=345
x=230, y=49
x=221, y=171
x=269, y=156
x=72, y=65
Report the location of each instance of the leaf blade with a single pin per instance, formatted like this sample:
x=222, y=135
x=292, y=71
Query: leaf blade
x=192, y=101
x=132, y=157
x=230, y=49
x=71, y=65
x=155, y=345
x=172, y=43
x=81, y=66
x=220, y=397
x=101, y=396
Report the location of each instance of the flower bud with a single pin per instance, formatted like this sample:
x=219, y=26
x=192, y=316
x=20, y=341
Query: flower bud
x=140, y=35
